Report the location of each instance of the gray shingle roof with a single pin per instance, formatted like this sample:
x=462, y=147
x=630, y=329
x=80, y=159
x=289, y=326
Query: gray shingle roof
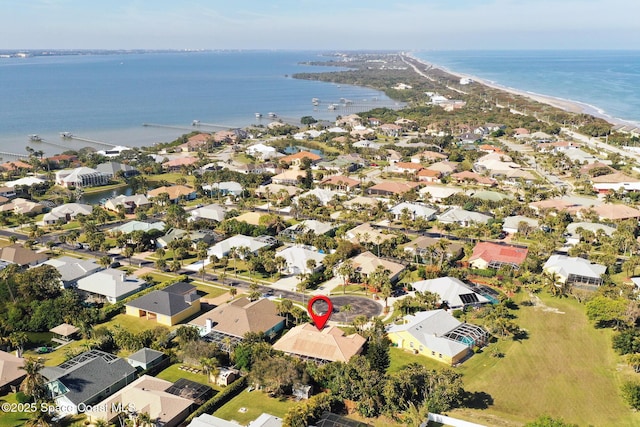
x=145, y=355
x=161, y=302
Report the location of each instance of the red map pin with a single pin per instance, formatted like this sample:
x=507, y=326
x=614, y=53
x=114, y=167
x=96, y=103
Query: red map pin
x=320, y=319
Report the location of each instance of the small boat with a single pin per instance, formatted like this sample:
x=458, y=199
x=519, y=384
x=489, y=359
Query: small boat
x=273, y=115
x=332, y=107
x=35, y=138
x=258, y=115
x=315, y=101
x=66, y=135
x=195, y=123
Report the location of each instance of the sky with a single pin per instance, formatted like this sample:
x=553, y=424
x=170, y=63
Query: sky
x=320, y=24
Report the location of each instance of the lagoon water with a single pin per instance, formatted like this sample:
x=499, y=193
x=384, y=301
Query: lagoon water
x=108, y=97
x=605, y=79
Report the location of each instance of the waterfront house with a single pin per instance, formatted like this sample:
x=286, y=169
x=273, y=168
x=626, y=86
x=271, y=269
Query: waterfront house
x=167, y=306
x=114, y=169
x=437, y=335
x=130, y=203
x=81, y=177
x=175, y=193
x=86, y=379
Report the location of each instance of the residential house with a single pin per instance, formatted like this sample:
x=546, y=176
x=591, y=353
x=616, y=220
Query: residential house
x=364, y=143
x=445, y=167
x=17, y=254
x=81, y=177
x=390, y=188
x=114, y=169
x=438, y=193
x=324, y=196
x=73, y=269
x=453, y=293
x=288, y=177
x=195, y=142
x=226, y=188
x=27, y=181
x=177, y=164
x=337, y=165
x=407, y=167
x=298, y=258
x=167, y=306
x=296, y=159
x=390, y=129
x=264, y=420
x=575, y=271
x=262, y=151
x=463, y=217
x=146, y=358
x=340, y=183
x=223, y=248
x=428, y=175
x=238, y=318
x=11, y=372
x=134, y=225
x=147, y=395
x=7, y=192
x=110, y=284
x=86, y=379
x=330, y=344
x=428, y=157
x=467, y=176
x=437, y=335
x=113, y=151
x=414, y=210
x=428, y=248
x=65, y=213
x=278, y=191
x=494, y=255
x=212, y=212
x=366, y=263
x=22, y=206
x=365, y=233
x=319, y=228
x=617, y=181
x=15, y=165
x=130, y=203
x=175, y=193
x=614, y=211
x=511, y=224
x=575, y=230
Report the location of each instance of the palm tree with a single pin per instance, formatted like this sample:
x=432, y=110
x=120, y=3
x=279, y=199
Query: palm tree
x=347, y=308
x=17, y=340
x=209, y=365
x=346, y=270
x=33, y=383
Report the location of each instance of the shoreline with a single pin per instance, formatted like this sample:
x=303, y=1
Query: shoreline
x=568, y=105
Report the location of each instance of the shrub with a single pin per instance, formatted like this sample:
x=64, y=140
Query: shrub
x=631, y=393
x=22, y=398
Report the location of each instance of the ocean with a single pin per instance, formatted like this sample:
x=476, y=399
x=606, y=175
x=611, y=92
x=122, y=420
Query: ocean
x=107, y=98
x=606, y=80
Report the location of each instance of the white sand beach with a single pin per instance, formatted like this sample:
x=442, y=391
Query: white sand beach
x=564, y=104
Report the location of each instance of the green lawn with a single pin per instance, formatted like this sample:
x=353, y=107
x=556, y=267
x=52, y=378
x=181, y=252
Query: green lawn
x=401, y=358
x=566, y=368
x=255, y=403
x=173, y=374
x=130, y=323
x=12, y=419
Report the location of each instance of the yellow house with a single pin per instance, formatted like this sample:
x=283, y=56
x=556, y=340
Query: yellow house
x=168, y=306
x=438, y=335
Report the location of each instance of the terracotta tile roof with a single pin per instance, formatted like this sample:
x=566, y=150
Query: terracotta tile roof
x=409, y=165
x=429, y=173
x=489, y=252
x=15, y=165
x=181, y=161
x=340, y=180
x=430, y=155
x=393, y=187
x=616, y=177
x=328, y=344
x=299, y=156
x=201, y=137
x=616, y=211
x=173, y=191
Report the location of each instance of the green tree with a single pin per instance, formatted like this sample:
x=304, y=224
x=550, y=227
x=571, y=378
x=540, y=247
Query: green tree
x=33, y=383
x=547, y=421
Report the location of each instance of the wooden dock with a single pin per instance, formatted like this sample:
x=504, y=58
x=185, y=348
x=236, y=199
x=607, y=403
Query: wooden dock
x=156, y=125
x=91, y=141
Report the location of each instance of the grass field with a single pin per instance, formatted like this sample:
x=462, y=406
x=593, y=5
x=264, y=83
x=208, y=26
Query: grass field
x=566, y=368
x=255, y=403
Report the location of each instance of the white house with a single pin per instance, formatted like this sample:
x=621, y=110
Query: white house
x=297, y=259
x=81, y=177
x=453, y=292
x=576, y=271
x=66, y=212
x=463, y=217
x=262, y=151
x=222, y=249
x=111, y=284
x=213, y=212
x=415, y=210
